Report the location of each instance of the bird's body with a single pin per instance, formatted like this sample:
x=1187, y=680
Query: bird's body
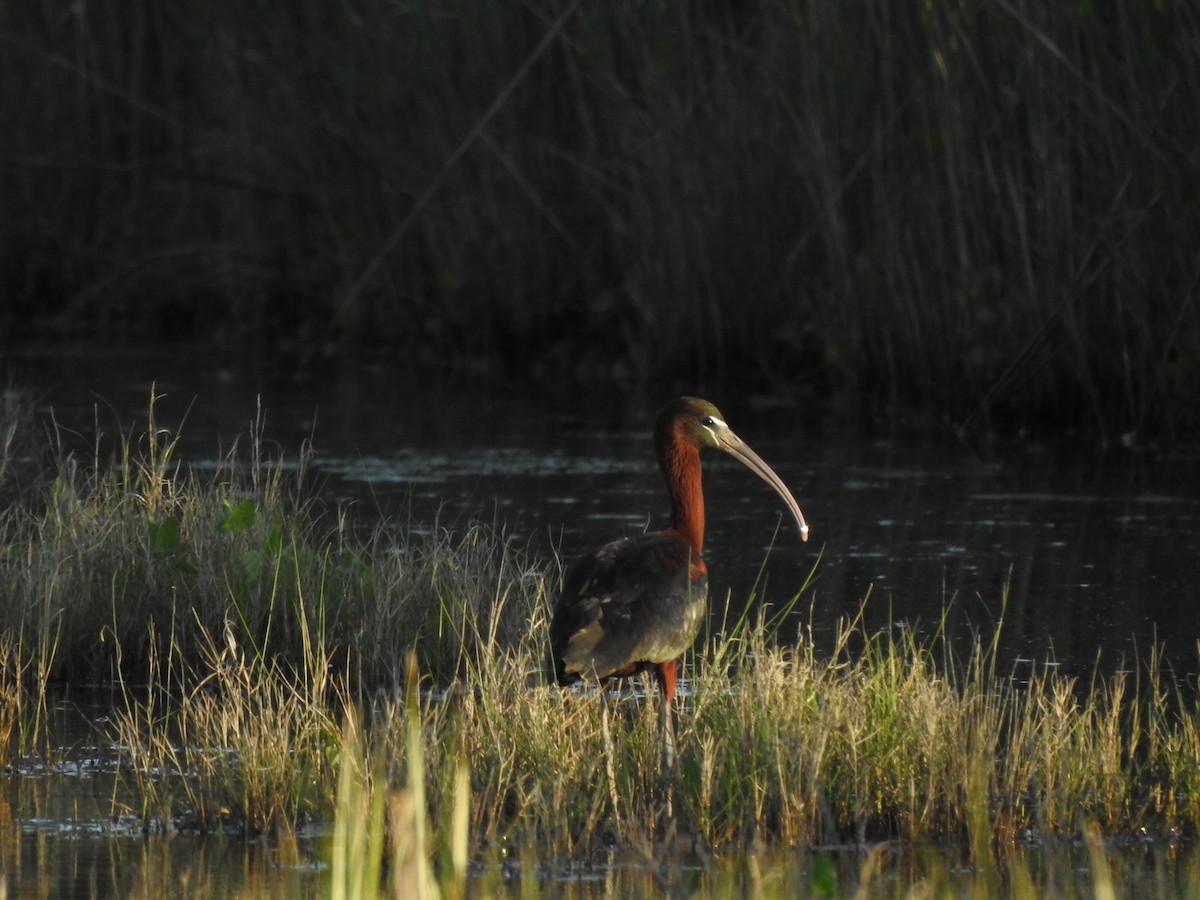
x=638, y=603
x=633, y=604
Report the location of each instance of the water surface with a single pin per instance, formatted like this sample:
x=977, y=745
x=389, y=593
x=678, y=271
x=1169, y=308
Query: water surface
x=1085, y=552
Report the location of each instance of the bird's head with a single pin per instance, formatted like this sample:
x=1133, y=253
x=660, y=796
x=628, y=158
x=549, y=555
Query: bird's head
x=690, y=420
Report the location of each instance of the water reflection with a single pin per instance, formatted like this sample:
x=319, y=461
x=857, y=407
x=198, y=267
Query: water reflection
x=62, y=866
x=70, y=827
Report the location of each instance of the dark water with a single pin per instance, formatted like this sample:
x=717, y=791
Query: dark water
x=1081, y=556
x=1097, y=552
x=70, y=828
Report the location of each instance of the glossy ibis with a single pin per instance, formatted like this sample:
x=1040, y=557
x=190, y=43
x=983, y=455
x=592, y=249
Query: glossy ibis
x=637, y=604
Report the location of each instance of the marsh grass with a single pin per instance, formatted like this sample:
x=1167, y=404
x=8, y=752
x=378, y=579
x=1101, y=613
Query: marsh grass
x=791, y=748
x=277, y=664
x=238, y=742
x=884, y=738
x=132, y=557
x=17, y=725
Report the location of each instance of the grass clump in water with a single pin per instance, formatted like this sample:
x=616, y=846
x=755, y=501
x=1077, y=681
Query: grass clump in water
x=787, y=746
x=114, y=545
x=237, y=742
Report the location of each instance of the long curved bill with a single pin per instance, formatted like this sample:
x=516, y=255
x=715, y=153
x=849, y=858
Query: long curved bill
x=740, y=450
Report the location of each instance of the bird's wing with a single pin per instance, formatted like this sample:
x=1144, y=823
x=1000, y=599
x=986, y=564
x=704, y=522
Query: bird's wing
x=632, y=602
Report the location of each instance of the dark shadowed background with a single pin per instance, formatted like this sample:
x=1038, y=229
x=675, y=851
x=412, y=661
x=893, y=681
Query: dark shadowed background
x=974, y=213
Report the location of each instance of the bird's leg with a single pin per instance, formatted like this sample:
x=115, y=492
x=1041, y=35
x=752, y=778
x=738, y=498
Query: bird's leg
x=667, y=674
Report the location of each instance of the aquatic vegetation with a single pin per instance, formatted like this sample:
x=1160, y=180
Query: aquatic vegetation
x=14, y=697
x=279, y=666
x=776, y=746
x=241, y=742
x=135, y=557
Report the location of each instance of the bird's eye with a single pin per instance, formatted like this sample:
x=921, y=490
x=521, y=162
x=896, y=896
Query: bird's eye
x=708, y=421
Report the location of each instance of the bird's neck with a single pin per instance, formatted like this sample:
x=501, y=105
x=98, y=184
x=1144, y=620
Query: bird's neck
x=681, y=468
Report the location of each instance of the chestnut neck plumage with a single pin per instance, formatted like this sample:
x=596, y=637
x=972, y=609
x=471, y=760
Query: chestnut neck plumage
x=679, y=459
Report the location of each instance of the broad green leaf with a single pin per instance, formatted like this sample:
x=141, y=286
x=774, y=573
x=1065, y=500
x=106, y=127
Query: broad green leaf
x=238, y=517
x=164, y=536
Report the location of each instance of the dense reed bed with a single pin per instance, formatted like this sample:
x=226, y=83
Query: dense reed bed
x=978, y=208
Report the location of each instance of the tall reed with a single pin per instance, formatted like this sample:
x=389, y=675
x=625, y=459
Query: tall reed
x=971, y=208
